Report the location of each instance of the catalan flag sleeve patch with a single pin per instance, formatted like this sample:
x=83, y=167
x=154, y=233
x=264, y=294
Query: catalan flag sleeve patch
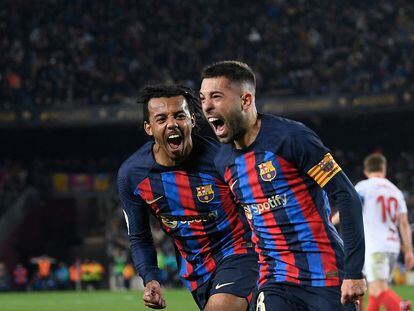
x=324, y=170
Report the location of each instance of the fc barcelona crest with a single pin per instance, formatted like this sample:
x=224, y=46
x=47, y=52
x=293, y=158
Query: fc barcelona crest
x=267, y=171
x=205, y=193
x=326, y=165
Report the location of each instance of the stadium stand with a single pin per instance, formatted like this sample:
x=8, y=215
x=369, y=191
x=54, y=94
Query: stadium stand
x=111, y=47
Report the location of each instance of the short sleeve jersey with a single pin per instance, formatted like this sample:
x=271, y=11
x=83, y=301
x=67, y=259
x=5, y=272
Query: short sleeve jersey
x=193, y=205
x=278, y=180
x=383, y=202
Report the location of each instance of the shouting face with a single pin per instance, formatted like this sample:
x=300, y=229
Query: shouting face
x=222, y=103
x=170, y=123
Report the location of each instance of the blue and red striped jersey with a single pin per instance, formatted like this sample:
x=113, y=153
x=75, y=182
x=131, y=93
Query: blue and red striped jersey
x=279, y=181
x=193, y=205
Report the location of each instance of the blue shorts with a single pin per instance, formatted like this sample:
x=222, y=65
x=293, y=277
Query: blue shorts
x=236, y=275
x=290, y=297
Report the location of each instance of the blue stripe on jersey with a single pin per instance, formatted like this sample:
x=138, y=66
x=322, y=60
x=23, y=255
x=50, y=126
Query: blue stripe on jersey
x=247, y=196
x=183, y=271
x=170, y=187
x=224, y=225
x=136, y=191
x=247, y=193
x=326, y=203
x=301, y=226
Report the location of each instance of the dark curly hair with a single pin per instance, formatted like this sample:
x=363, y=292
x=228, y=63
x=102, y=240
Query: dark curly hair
x=163, y=90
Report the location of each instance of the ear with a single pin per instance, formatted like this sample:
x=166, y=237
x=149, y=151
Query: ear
x=193, y=120
x=247, y=101
x=366, y=173
x=147, y=128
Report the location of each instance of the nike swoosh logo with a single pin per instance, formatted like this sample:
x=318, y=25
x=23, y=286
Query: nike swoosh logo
x=218, y=286
x=155, y=200
x=232, y=185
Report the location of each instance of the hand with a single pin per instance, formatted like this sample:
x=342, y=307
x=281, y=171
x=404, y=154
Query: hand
x=409, y=260
x=352, y=290
x=153, y=296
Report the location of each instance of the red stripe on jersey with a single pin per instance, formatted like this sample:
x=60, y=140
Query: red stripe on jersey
x=187, y=202
x=146, y=194
x=227, y=176
x=189, y=267
x=229, y=180
x=145, y=190
x=292, y=272
x=236, y=226
x=314, y=220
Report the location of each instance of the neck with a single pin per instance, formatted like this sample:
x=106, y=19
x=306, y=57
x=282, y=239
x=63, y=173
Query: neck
x=376, y=174
x=253, y=128
x=162, y=158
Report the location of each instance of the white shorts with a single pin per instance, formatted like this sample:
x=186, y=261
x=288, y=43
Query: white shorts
x=379, y=266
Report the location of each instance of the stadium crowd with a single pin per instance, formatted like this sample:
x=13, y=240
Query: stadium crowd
x=66, y=53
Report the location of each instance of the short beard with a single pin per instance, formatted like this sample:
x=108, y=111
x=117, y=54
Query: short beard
x=237, y=128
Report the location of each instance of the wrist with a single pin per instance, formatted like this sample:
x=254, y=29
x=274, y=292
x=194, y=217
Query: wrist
x=354, y=276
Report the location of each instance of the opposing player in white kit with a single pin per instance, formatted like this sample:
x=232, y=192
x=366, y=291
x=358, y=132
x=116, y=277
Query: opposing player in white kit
x=384, y=212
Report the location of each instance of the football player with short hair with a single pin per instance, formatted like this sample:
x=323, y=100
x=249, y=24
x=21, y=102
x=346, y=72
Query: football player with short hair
x=384, y=212
x=282, y=174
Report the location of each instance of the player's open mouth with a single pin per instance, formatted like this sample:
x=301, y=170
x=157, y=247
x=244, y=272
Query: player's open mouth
x=218, y=125
x=174, y=141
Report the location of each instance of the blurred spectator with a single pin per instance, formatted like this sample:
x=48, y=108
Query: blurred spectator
x=97, y=273
x=86, y=275
x=129, y=273
x=43, y=280
x=75, y=275
x=20, y=275
x=62, y=276
x=171, y=269
x=44, y=265
x=120, y=260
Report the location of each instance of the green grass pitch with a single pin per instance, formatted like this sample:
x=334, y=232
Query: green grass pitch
x=91, y=301
x=177, y=300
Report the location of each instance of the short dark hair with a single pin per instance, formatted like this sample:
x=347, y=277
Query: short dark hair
x=233, y=70
x=164, y=90
x=375, y=162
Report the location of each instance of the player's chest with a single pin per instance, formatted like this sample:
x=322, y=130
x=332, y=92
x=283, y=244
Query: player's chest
x=259, y=175
x=181, y=193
